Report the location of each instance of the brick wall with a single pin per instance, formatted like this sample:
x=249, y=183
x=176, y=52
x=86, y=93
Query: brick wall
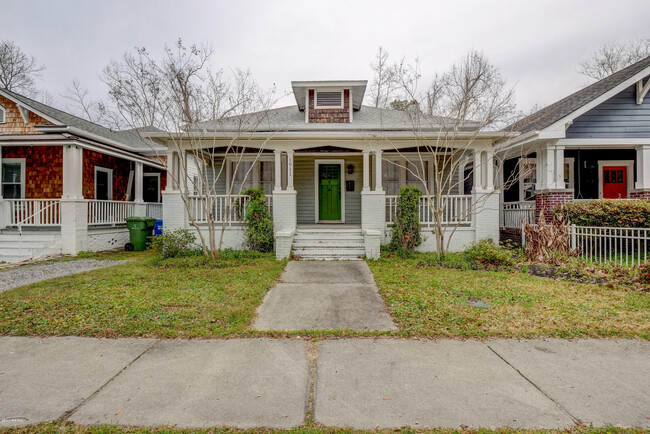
x=640, y=194
x=546, y=201
x=43, y=169
x=121, y=169
x=330, y=115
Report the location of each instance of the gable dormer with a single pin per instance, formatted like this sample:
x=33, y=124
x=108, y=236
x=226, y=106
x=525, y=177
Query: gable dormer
x=329, y=101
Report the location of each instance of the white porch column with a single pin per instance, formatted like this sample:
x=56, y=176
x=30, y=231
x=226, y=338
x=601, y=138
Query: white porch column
x=172, y=171
x=278, y=170
x=366, y=170
x=549, y=168
x=478, y=171
x=1, y=172
x=489, y=170
x=642, y=168
x=290, y=170
x=378, y=172
x=559, y=168
x=139, y=182
x=74, y=209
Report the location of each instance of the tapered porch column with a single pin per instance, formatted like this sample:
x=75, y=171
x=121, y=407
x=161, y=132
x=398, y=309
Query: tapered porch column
x=74, y=209
x=366, y=170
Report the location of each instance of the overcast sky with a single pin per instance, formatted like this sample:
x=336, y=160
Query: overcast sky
x=537, y=45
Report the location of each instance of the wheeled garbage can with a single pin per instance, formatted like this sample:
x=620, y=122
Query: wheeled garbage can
x=140, y=228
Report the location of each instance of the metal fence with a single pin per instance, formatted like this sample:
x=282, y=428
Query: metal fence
x=621, y=246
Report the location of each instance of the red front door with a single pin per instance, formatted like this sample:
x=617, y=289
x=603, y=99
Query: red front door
x=614, y=182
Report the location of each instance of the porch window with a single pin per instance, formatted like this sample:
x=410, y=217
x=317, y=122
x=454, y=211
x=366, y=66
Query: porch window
x=568, y=172
x=527, y=178
x=103, y=183
x=3, y=115
x=417, y=174
x=267, y=178
x=241, y=175
x=390, y=177
x=13, y=178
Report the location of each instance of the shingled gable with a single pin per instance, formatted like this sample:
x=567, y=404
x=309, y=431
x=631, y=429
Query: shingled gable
x=584, y=99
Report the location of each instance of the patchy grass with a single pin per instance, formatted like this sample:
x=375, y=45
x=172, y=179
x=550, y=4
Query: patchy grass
x=184, y=298
x=68, y=428
x=433, y=301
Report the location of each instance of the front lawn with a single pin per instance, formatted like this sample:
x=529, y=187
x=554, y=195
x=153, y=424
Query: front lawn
x=432, y=301
x=176, y=299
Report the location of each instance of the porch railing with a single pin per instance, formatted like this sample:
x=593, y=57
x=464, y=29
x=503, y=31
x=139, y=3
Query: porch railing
x=222, y=208
x=34, y=212
x=109, y=212
x=154, y=210
x=455, y=209
x=513, y=214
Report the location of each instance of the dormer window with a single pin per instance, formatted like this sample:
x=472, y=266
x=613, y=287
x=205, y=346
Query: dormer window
x=329, y=99
x=3, y=115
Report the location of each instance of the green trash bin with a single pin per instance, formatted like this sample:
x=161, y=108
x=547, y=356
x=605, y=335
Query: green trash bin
x=140, y=228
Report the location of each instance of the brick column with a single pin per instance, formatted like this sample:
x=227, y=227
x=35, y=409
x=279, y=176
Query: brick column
x=546, y=200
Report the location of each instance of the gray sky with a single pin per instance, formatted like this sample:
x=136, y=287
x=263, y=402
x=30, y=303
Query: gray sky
x=536, y=44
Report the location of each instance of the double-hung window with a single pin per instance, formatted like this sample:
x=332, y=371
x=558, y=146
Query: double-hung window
x=13, y=178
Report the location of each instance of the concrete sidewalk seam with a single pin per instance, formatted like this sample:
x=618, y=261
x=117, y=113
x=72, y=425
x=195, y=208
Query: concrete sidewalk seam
x=69, y=413
x=312, y=356
x=560, y=406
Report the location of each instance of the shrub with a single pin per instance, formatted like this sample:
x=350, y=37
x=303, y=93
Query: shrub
x=607, y=212
x=644, y=273
x=488, y=253
x=259, y=223
x=406, y=228
x=173, y=244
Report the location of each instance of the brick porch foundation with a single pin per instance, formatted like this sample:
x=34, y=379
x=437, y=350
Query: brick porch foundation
x=546, y=200
x=640, y=194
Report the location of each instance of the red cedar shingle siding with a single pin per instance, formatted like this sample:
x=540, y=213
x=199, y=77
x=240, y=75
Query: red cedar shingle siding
x=43, y=169
x=14, y=123
x=330, y=116
x=121, y=169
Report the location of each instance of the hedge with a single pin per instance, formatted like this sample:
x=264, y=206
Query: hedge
x=607, y=213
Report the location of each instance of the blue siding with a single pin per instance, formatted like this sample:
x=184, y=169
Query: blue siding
x=619, y=116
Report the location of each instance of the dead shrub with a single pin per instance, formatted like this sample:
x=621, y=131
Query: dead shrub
x=545, y=240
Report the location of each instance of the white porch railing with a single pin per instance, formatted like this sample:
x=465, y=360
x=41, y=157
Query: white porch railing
x=456, y=209
x=513, y=214
x=34, y=212
x=154, y=210
x=222, y=208
x=622, y=246
x=109, y=212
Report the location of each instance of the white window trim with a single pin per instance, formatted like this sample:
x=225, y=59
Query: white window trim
x=520, y=178
x=256, y=169
x=630, y=174
x=110, y=181
x=3, y=110
x=157, y=175
x=317, y=163
x=571, y=163
x=316, y=106
x=22, y=174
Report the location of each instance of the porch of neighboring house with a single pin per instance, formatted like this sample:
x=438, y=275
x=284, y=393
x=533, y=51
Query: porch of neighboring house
x=66, y=199
x=554, y=175
x=334, y=202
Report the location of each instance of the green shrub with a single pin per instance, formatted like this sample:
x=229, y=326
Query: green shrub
x=173, y=244
x=406, y=228
x=607, y=213
x=644, y=273
x=487, y=253
x=259, y=223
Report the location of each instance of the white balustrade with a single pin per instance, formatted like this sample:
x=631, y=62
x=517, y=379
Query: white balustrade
x=515, y=214
x=449, y=209
x=109, y=212
x=229, y=209
x=34, y=212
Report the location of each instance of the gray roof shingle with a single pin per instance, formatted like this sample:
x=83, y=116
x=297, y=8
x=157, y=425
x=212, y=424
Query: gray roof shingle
x=564, y=107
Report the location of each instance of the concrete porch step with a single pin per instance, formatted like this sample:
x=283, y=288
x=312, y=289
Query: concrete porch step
x=24, y=244
x=328, y=243
x=15, y=237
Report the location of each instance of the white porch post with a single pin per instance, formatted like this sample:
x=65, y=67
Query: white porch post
x=366, y=170
x=284, y=207
x=4, y=206
x=140, y=209
x=74, y=209
x=478, y=172
x=174, y=212
x=559, y=168
x=643, y=168
x=489, y=170
x=278, y=170
x=378, y=172
x=485, y=201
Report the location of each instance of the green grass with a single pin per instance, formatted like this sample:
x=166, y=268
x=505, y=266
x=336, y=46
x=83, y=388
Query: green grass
x=67, y=428
x=433, y=301
x=172, y=299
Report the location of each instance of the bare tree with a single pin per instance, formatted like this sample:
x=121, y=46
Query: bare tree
x=447, y=120
x=18, y=70
x=204, y=115
x=383, y=86
x=614, y=56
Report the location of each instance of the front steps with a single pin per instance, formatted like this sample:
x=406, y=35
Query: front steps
x=15, y=247
x=329, y=244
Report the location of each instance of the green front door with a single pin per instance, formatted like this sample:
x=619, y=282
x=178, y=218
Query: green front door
x=329, y=192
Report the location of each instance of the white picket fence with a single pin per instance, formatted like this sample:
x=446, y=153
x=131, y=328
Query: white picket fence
x=514, y=214
x=621, y=246
x=456, y=209
x=222, y=208
x=109, y=212
x=34, y=212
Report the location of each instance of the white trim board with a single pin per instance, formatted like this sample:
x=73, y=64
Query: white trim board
x=110, y=181
x=22, y=162
x=630, y=174
x=144, y=175
x=318, y=162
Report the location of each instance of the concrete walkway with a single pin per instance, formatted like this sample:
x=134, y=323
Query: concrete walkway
x=362, y=383
x=314, y=295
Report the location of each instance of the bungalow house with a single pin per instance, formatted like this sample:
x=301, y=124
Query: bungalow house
x=332, y=169
x=593, y=144
x=67, y=184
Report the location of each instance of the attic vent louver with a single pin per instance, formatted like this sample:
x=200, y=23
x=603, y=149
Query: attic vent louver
x=329, y=99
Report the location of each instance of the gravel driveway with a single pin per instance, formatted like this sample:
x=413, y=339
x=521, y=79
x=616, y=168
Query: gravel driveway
x=20, y=276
